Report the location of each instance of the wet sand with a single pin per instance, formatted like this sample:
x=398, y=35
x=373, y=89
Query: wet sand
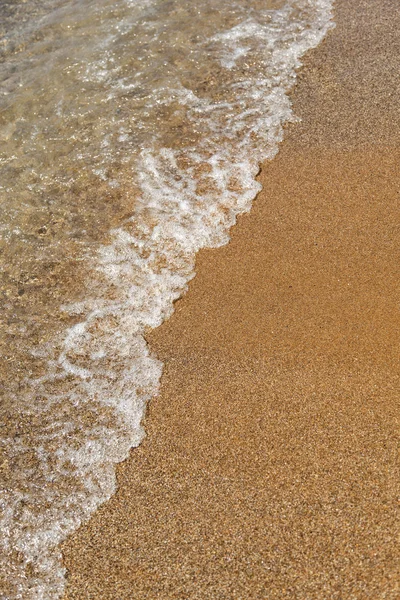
x=270, y=467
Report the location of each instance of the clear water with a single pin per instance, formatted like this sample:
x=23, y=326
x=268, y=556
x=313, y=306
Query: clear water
x=130, y=137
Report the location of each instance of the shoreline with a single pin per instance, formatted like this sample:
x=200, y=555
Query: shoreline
x=268, y=470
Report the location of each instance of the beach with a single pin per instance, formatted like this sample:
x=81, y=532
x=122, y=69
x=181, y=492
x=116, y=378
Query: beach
x=270, y=468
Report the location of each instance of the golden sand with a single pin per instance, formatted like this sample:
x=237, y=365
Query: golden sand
x=270, y=467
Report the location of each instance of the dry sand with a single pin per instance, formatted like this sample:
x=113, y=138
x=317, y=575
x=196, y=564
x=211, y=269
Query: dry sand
x=269, y=470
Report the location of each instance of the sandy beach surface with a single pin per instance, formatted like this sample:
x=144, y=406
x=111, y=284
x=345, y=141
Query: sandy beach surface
x=270, y=467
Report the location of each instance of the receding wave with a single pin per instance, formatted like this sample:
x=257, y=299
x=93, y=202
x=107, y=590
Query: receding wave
x=131, y=134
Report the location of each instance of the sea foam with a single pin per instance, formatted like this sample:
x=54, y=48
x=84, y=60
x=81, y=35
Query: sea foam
x=176, y=106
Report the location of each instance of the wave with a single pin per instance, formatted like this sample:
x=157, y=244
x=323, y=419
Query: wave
x=173, y=107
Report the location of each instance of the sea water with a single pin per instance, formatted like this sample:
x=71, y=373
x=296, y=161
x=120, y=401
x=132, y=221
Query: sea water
x=131, y=134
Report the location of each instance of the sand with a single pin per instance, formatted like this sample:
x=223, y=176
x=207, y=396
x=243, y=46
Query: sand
x=270, y=467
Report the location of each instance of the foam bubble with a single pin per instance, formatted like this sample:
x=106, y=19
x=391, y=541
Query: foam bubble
x=187, y=100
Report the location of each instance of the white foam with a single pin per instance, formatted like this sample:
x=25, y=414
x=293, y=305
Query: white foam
x=101, y=373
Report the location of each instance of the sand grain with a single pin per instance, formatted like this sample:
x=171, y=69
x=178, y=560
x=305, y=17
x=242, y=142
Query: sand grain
x=270, y=469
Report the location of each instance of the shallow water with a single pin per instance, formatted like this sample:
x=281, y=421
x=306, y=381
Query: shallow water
x=130, y=137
